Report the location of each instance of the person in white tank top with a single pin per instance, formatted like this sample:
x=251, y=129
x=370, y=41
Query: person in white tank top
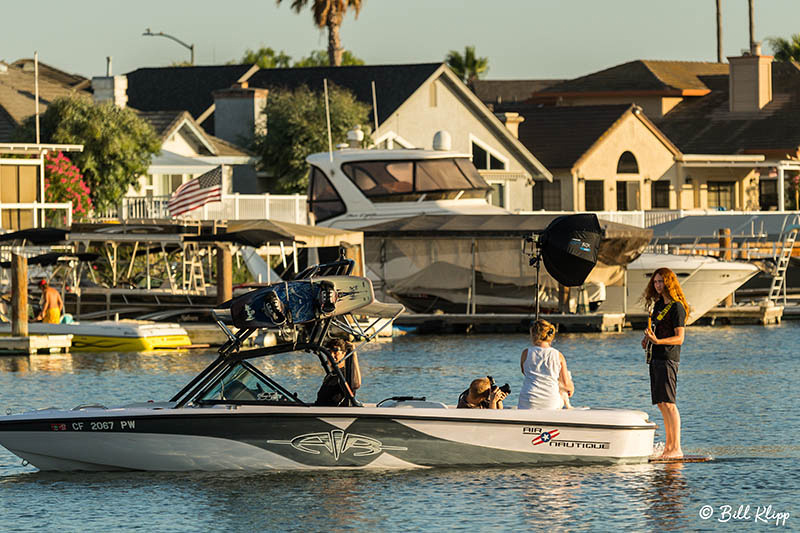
x=545, y=371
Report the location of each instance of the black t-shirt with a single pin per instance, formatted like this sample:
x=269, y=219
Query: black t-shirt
x=675, y=318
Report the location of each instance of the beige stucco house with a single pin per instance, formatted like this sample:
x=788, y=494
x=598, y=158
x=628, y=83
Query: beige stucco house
x=735, y=125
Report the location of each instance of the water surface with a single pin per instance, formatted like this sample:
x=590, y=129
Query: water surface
x=737, y=393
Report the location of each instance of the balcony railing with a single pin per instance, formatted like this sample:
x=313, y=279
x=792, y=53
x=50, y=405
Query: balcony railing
x=17, y=216
x=286, y=208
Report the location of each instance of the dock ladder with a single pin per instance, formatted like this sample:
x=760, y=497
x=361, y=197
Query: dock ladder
x=781, y=264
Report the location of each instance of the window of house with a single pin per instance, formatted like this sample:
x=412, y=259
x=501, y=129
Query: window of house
x=594, y=195
x=175, y=181
x=622, y=196
x=324, y=201
x=660, y=195
x=547, y=196
x=483, y=159
x=498, y=194
x=721, y=194
x=627, y=164
x=768, y=195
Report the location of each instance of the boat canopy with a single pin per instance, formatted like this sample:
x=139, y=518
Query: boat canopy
x=434, y=252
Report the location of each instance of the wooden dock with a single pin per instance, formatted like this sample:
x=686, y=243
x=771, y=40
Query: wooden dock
x=33, y=344
x=764, y=314
x=507, y=323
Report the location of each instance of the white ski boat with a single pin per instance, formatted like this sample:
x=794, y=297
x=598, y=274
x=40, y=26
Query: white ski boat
x=234, y=416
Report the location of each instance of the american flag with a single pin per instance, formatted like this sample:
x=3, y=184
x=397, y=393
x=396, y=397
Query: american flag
x=197, y=193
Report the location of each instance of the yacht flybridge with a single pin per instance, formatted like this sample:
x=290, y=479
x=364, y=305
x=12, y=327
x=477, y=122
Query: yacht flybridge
x=356, y=188
x=235, y=416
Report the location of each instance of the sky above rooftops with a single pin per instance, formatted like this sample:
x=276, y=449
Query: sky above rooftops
x=523, y=39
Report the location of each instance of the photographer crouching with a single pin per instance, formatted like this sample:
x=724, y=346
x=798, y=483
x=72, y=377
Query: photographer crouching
x=483, y=394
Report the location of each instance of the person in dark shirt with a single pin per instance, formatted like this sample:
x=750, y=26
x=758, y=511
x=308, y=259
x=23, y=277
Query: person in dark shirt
x=331, y=393
x=663, y=338
x=481, y=395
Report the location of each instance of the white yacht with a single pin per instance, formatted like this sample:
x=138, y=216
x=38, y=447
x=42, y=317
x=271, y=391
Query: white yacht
x=368, y=189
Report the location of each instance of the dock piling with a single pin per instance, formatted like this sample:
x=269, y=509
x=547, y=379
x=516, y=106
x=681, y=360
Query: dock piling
x=19, y=295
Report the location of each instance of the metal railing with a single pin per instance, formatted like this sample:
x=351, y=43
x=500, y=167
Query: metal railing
x=37, y=215
x=632, y=218
x=286, y=208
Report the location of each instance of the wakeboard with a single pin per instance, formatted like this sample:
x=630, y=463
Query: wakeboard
x=684, y=459
x=300, y=301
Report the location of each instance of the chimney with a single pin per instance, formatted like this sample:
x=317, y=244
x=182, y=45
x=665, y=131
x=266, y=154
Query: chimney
x=110, y=89
x=750, y=81
x=512, y=122
x=238, y=113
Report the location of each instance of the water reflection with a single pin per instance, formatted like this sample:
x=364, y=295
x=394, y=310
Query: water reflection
x=180, y=362
x=667, y=496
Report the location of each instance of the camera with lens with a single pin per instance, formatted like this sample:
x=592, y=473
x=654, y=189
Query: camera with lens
x=505, y=388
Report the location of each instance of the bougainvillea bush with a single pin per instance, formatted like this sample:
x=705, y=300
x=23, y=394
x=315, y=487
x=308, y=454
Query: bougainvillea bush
x=63, y=182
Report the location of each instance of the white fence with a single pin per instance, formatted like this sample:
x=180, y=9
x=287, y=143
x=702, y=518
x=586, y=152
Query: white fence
x=286, y=208
x=42, y=213
x=646, y=219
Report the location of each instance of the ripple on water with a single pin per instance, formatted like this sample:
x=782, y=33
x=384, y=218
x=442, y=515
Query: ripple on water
x=734, y=397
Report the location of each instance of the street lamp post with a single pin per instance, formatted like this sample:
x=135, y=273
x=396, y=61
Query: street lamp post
x=190, y=47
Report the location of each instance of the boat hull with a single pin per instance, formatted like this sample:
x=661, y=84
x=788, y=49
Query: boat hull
x=293, y=438
x=118, y=336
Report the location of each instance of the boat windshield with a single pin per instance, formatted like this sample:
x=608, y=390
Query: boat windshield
x=407, y=180
x=242, y=384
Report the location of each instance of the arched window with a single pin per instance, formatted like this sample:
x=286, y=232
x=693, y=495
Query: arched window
x=627, y=164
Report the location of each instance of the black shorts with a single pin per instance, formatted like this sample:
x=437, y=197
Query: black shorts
x=663, y=380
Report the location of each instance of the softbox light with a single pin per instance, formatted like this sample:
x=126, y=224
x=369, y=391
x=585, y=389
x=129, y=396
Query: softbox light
x=569, y=247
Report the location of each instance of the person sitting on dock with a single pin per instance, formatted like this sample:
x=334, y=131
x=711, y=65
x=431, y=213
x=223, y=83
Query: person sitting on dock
x=481, y=395
x=545, y=371
x=331, y=393
x=52, y=304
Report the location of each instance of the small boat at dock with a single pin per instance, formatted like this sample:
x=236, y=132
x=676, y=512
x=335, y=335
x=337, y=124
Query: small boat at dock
x=114, y=335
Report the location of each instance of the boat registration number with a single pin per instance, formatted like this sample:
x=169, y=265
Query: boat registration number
x=106, y=425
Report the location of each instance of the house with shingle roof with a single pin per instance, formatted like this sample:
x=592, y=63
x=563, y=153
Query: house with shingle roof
x=603, y=158
x=412, y=103
x=735, y=124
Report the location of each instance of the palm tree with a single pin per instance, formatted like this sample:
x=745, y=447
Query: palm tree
x=329, y=14
x=786, y=50
x=467, y=67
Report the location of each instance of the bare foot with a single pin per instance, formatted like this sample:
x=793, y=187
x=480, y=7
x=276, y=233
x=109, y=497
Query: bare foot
x=672, y=454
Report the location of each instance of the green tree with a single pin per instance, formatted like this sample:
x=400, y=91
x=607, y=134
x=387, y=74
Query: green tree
x=266, y=57
x=319, y=58
x=786, y=50
x=329, y=14
x=296, y=128
x=117, y=143
x=468, y=67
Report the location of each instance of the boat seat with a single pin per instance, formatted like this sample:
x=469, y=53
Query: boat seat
x=418, y=404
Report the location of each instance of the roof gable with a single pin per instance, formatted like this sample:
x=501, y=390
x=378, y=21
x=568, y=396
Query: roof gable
x=189, y=88
x=669, y=77
x=394, y=84
x=559, y=136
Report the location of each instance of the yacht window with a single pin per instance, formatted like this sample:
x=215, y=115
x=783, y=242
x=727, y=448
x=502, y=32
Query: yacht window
x=471, y=173
x=241, y=384
x=436, y=178
x=324, y=202
x=378, y=178
x=440, y=174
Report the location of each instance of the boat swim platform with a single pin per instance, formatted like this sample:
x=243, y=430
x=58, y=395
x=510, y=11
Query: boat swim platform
x=507, y=323
x=34, y=344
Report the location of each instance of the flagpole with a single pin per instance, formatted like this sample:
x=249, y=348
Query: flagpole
x=328, y=118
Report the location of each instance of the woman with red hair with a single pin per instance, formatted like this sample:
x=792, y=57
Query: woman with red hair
x=662, y=340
